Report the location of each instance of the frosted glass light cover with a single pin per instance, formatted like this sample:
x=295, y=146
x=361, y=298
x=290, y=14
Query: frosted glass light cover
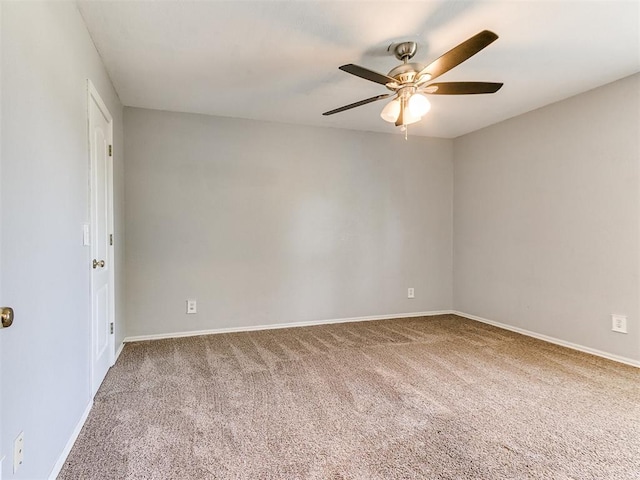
x=409, y=117
x=391, y=111
x=419, y=105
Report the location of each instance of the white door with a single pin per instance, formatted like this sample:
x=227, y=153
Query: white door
x=102, y=278
x=2, y=454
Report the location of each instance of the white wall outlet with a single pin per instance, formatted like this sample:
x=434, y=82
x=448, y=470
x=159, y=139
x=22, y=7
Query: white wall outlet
x=619, y=323
x=191, y=306
x=18, y=452
x=411, y=293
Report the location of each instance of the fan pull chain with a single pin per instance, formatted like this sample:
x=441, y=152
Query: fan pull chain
x=405, y=130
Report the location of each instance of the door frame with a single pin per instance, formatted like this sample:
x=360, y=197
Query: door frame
x=94, y=96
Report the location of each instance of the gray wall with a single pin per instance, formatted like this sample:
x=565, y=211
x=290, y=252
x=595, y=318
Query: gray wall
x=547, y=217
x=266, y=223
x=47, y=56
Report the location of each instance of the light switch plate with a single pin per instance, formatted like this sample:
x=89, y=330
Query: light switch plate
x=86, y=235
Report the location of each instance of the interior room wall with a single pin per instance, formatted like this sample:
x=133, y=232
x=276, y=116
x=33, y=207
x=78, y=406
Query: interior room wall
x=265, y=223
x=546, y=220
x=47, y=57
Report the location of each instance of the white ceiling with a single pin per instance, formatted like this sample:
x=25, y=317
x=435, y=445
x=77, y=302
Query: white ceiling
x=278, y=60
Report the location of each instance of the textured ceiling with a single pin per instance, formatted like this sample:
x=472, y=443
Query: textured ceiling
x=278, y=61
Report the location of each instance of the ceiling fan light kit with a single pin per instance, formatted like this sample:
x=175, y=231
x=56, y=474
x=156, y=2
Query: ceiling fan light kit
x=416, y=106
x=407, y=81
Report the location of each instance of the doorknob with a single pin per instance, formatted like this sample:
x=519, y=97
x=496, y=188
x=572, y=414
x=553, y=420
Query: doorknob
x=97, y=263
x=6, y=314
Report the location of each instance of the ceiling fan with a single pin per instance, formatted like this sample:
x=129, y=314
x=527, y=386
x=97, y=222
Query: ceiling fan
x=408, y=82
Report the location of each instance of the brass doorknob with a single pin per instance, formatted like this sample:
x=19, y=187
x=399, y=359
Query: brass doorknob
x=97, y=263
x=6, y=314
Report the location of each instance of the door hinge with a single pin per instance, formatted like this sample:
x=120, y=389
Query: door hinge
x=111, y=239
x=111, y=150
x=111, y=328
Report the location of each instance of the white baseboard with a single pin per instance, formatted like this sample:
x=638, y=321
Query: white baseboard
x=72, y=439
x=556, y=341
x=529, y=333
x=115, y=359
x=160, y=336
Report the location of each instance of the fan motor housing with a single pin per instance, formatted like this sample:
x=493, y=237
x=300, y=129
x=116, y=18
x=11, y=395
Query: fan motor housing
x=406, y=72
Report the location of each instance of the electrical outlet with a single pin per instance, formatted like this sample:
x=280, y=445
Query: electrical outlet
x=619, y=323
x=18, y=452
x=191, y=306
x=411, y=293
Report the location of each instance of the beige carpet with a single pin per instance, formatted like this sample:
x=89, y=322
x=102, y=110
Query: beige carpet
x=430, y=398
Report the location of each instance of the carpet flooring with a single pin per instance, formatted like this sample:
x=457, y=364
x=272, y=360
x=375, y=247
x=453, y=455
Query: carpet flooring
x=422, y=398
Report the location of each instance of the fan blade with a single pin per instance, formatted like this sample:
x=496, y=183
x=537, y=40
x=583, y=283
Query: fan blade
x=457, y=55
x=358, y=104
x=463, y=88
x=367, y=74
